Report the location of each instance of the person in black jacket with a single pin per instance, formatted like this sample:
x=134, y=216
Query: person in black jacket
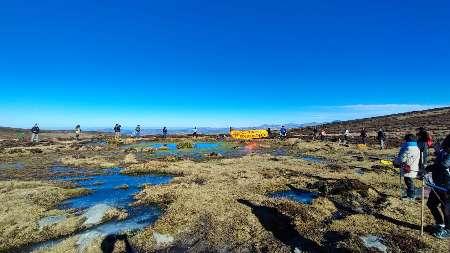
x=364, y=136
x=35, y=133
x=117, y=131
x=164, y=131
x=422, y=141
x=381, y=136
x=439, y=197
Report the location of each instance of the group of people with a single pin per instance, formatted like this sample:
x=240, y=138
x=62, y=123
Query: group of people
x=283, y=133
x=137, y=131
x=413, y=163
x=346, y=136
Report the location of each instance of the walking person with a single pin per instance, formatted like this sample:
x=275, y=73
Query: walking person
x=424, y=142
x=439, y=196
x=381, y=137
x=315, y=133
x=117, y=131
x=364, y=136
x=323, y=135
x=137, y=131
x=283, y=133
x=195, y=132
x=346, y=136
x=164, y=131
x=408, y=162
x=269, y=133
x=77, y=132
x=35, y=133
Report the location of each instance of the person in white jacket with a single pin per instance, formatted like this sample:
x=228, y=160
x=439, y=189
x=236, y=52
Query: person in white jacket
x=408, y=161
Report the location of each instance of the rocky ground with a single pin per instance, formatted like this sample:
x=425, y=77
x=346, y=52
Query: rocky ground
x=220, y=204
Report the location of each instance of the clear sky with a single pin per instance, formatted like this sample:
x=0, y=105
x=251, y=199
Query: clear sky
x=219, y=63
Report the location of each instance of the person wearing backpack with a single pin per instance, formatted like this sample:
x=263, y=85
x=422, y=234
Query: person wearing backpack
x=438, y=201
x=35, y=133
x=283, y=133
x=117, y=131
x=77, y=132
x=381, y=137
x=408, y=162
x=364, y=136
x=424, y=142
x=137, y=131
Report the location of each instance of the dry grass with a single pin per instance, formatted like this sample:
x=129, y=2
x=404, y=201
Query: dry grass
x=23, y=204
x=202, y=211
x=92, y=161
x=202, y=201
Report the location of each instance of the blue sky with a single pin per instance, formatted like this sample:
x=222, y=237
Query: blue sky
x=219, y=63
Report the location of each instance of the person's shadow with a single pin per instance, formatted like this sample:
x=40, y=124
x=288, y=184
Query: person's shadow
x=282, y=228
x=109, y=243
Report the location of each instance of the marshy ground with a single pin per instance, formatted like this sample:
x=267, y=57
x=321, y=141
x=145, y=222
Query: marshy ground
x=220, y=198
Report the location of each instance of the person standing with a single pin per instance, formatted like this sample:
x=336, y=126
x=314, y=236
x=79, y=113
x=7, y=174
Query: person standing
x=195, y=132
x=77, y=132
x=117, y=131
x=35, y=133
x=424, y=142
x=137, y=131
x=346, y=136
x=164, y=131
x=408, y=162
x=315, y=133
x=381, y=137
x=439, y=198
x=364, y=136
x=269, y=133
x=283, y=132
x=323, y=134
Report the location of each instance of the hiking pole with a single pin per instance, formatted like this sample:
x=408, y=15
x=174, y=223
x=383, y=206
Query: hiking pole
x=421, y=207
x=400, y=184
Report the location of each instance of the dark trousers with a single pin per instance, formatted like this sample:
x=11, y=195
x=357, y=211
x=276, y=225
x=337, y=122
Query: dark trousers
x=437, y=208
x=410, y=187
x=364, y=140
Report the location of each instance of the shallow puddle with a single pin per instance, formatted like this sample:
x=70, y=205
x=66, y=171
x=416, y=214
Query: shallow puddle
x=359, y=171
x=104, y=188
x=199, y=150
x=168, y=146
x=313, y=159
x=304, y=197
x=108, y=191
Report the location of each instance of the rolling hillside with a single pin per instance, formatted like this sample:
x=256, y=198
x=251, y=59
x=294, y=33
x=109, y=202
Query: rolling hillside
x=437, y=121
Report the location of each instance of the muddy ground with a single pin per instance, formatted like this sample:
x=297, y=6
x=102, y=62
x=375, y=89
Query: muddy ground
x=220, y=204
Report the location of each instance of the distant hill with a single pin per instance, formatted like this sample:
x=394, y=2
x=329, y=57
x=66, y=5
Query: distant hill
x=436, y=121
